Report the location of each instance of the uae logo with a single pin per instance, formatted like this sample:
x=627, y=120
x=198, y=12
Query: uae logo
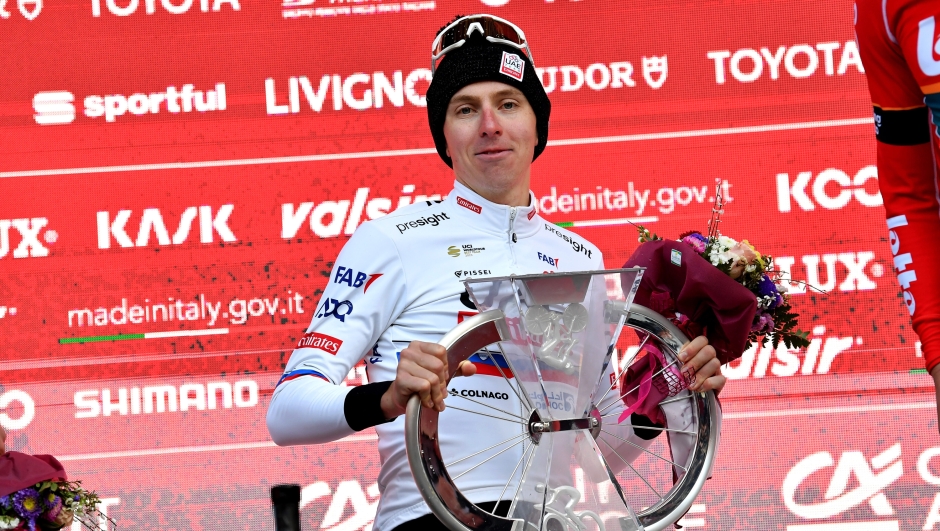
x=512, y=66
x=655, y=65
x=30, y=8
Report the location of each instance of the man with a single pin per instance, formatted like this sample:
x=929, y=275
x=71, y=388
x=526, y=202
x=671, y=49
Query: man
x=395, y=288
x=899, y=48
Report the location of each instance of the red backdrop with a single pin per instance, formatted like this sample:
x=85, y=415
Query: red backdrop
x=176, y=178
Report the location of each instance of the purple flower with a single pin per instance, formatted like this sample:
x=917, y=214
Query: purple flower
x=695, y=240
x=767, y=288
x=764, y=324
x=26, y=502
x=54, y=505
x=5, y=502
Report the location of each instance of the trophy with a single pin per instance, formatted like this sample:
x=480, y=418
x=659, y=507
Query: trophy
x=578, y=416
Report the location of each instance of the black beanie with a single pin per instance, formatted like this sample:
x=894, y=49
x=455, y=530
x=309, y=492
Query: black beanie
x=482, y=60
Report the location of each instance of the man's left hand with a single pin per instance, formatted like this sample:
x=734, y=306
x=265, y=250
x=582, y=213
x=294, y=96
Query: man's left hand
x=699, y=359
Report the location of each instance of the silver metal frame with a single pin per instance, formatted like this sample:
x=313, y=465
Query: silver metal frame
x=452, y=508
x=683, y=494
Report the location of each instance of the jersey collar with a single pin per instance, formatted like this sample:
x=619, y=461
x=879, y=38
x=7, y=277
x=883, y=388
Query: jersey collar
x=487, y=216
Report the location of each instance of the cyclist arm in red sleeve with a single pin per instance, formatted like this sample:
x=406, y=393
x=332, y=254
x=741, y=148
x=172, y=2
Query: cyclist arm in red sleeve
x=898, y=41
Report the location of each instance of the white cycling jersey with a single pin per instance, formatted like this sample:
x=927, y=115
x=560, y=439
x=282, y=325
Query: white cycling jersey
x=398, y=280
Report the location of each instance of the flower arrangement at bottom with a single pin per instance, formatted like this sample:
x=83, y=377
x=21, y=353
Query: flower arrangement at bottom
x=775, y=320
x=48, y=505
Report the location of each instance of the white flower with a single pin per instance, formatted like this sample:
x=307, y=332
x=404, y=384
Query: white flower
x=726, y=242
x=9, y=522
x=782, y=288
x=751, y=268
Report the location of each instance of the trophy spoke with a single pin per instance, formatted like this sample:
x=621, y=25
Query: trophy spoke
x=490, y=458
x=487, y=449
x=499, y=498
x=487, y=415
x=633, y=469
x=522, y=477
x=523, y=401
x=654, y=454
x=618, y=370
x=676, y=399
x=491, y=407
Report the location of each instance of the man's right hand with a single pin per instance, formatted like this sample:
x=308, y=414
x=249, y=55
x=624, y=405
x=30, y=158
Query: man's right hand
x=422, y=370
x=3, y=441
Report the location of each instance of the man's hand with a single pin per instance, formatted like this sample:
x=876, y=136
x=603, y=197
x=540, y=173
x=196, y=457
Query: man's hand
x=3, y=440
x=422, y=370
x=701, y=365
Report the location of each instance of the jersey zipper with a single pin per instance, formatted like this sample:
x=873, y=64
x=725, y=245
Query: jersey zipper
x=512, y=234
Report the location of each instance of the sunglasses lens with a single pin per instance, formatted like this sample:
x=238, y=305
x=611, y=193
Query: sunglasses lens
x=495, y=29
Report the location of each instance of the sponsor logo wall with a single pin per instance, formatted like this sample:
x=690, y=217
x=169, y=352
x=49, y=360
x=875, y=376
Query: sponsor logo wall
x=177, y=178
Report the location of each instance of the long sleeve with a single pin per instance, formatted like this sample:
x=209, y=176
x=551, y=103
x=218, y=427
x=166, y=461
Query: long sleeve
x=365, y=293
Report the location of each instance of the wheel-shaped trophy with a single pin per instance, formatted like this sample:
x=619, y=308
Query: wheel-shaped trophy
x=547, y=435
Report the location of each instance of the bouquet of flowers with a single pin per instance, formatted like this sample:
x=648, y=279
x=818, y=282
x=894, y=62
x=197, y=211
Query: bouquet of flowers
x=49, y=505
x=775, y=320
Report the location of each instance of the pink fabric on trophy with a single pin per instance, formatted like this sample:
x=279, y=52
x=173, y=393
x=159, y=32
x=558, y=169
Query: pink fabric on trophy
x=711, y=304
x=19, y=471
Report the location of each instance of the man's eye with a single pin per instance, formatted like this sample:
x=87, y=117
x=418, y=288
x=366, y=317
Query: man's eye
x=509, y=105
x=463, y=110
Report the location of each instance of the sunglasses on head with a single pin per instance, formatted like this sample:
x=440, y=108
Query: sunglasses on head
x=494, y=29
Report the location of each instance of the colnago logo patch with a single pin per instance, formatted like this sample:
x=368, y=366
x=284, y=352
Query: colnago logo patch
x=468, y=205
x=323, y=342
x=928, y=47
x=28, y=243
x=355, y=279
x=801, y=61
x=329, y=219
x=152, y=223
x=575, y=244
x=871, y=478
x=168, y=6
x=56, y=108
x=480, y=393
x=165, y=399
x=512, y=65
x=831, y=189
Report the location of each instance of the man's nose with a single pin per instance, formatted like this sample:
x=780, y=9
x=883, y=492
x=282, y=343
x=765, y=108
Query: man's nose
x=489, y=124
